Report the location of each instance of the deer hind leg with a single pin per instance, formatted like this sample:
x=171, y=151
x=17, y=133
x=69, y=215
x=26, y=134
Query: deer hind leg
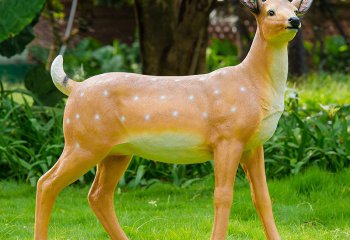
x=254, y=167
x=72, y=164
x=101, y=194
x=227, y=156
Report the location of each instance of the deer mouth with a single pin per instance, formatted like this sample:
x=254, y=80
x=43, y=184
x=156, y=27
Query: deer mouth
x=293, y=28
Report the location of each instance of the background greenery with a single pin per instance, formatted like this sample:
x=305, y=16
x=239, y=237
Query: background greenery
x=307, y=160
x=313, y=131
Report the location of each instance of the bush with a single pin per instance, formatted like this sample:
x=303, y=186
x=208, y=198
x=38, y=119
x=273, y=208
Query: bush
x=333, y=56
x=90, y=58
x=221, y=53
x=30, y=137
x=308, y=137
x=31, y=141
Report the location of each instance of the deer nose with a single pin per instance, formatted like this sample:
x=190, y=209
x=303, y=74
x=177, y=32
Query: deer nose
x=294, y=21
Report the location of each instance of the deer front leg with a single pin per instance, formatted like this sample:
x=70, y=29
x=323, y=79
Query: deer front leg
x=254, y=167
x=227, y=155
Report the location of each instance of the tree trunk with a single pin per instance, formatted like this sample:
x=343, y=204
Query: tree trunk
x=173, y=35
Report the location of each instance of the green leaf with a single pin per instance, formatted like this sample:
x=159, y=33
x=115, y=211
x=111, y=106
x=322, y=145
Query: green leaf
x=25, y=164
x=16, y=15
x=38, y=81
x=17, y=44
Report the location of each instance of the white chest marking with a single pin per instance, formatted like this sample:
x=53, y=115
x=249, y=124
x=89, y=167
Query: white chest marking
x=266, y=130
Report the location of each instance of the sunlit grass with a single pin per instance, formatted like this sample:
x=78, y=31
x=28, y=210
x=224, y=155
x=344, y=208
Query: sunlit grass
x=17, y=95
x=323, y=88
x=314, y=205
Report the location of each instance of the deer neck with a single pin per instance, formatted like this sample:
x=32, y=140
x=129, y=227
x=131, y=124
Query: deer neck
x=268, y=64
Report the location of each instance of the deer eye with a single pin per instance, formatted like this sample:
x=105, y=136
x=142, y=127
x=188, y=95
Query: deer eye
x=271, y=13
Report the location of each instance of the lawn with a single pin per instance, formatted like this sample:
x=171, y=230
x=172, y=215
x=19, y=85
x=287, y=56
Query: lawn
x=314, y=205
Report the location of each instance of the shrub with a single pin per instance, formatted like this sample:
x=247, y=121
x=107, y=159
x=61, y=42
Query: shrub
x=30, y=137
x=221, y=53
x=333, y=55
x=31, y=141
x=308, y=137
x=90, y=58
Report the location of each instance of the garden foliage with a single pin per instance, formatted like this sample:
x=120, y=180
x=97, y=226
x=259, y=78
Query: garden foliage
x=17, y=19
x=90, y=58
x=334, y=56
x=308, y=134
x=31, y=141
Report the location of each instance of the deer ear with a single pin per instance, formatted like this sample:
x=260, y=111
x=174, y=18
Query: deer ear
x=252, y=5
x=302, y=5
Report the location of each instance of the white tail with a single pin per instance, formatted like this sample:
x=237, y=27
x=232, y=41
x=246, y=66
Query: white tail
x=59, y=77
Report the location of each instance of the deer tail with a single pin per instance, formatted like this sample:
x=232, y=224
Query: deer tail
x=59, y=77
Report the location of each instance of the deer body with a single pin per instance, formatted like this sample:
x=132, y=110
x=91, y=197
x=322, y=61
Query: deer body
x=225, y=115
x=179, y=119
x=161, y=114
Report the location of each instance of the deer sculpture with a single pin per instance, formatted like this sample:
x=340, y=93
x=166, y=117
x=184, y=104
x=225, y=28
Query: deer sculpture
x=225, y=115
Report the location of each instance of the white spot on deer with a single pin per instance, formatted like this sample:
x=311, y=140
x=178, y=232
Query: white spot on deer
x=191, y=97
x=242, y=89
x=97, y=117
x=162, y=97
x=77, y=145
x=233, y=109
x=216, y=92
x=105, y=93
x=147, y=117
x=68, y=121
x=81, y=94
x=135, y=98
x=205, y=114
x=77, y=116
x=175, y=113
x=122, y=119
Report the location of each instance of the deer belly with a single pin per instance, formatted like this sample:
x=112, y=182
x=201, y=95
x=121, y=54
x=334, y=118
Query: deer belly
x=266, y=130
x=166, y=147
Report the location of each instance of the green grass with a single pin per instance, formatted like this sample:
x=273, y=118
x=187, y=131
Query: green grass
x=314, y=205
x=323, y=88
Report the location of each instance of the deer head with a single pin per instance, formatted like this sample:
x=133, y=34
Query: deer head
x=278, y=20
